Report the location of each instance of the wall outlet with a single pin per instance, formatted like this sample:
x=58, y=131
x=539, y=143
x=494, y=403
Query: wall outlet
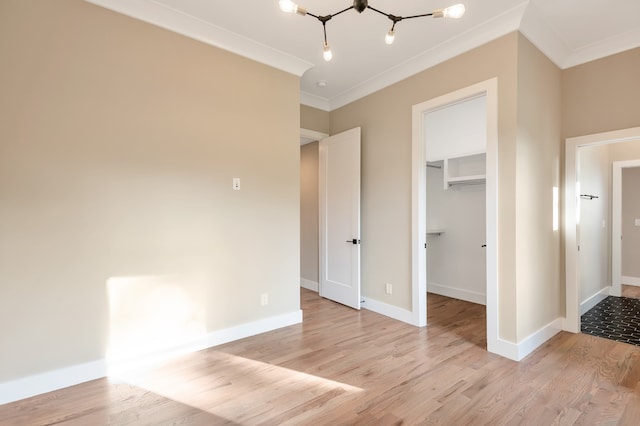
x=388, y=288
x=264, y=299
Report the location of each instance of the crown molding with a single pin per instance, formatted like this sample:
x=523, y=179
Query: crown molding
x=173, y=20
x=610, y=46
x=542, y=36
x=314, y=101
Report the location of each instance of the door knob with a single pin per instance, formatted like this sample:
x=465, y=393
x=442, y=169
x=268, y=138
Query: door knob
x=354, y=241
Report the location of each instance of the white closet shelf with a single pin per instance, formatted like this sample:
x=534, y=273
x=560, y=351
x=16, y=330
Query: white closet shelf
x=467, y=179
x=465, y=170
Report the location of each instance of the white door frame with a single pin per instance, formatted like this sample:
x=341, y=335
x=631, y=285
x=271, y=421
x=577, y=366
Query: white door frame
x=571, y=199
x=616, y=224
x=419, y=205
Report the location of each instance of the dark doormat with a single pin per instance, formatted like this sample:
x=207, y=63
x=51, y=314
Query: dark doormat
x=615, y=318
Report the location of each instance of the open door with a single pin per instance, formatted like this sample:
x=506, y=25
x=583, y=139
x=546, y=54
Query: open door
x=339, y=221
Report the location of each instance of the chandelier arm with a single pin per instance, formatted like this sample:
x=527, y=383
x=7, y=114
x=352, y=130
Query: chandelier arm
x=379, y=11
x=342, y=11
x=418, y=16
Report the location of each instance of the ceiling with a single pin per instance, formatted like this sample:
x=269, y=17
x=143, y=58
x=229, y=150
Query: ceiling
x=569, y=32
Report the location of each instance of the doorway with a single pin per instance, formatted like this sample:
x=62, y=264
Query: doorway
x=489, y=89
x=572, y=221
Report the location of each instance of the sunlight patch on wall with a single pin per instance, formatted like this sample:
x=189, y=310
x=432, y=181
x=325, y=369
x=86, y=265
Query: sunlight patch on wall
x=556, y=209
x=149, y=315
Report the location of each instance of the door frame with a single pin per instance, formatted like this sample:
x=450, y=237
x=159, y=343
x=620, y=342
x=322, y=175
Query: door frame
x=616, y=223
x=489, y=88
x=570, y=201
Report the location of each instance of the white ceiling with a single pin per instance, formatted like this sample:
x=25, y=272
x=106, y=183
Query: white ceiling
x=569, y=32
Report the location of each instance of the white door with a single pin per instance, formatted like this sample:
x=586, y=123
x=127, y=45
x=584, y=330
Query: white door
x=339, y=175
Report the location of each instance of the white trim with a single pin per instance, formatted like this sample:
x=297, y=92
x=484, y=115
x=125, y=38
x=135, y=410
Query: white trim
x=315, y=101
x=418, y=206
x=616, y=223
x=594, y=300
x=570, y=202
x=602, y=48
x=457, y=293
x=64, y=377
x=631, y=281
x=312, y=135
x=309, y=285
x=390, y=311
x=518, y=351
x=536, y=339
x=182, y=23
x=536, y=29
x=36, y=384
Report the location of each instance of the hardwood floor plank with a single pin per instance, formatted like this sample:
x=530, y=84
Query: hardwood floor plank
x=343, y=366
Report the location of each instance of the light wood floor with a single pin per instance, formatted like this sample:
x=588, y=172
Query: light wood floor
x=631, y=291
x=347, y=367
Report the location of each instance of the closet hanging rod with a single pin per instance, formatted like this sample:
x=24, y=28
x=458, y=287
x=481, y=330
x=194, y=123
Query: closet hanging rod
x=589, y=196
x=434, y=166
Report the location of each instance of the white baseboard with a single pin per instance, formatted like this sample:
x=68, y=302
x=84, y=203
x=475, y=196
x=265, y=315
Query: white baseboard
x=388, y=310
x=517, y=351
x=309, y=284
x=52, y=380
x=57, y=379
x=630, y=281
x=457, y=293
x=594, y=300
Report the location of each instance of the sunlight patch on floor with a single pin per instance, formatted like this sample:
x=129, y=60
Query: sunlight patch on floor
x=238, y=388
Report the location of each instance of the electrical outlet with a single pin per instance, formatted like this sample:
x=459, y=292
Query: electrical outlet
x=264, y=299
x=388, y=288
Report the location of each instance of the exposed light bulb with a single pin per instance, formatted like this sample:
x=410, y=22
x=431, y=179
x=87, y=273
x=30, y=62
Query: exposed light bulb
x=456, y=11
x=391, y=35
x=326, y=52
x=288, y=6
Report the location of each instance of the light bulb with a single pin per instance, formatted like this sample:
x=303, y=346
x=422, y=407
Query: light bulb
x=455, y=11
x=288, y=6
x=326, y=52
x=391, y=35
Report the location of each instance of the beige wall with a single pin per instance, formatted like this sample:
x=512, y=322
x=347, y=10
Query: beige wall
x=314, y=119
x=595, y=239
x=602, y=95
x=309, y=212
x=630, y=212
x=118, y=145
x=540, y=292
x=385, y=118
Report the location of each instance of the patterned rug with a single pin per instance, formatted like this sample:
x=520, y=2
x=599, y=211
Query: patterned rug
x=615, y=318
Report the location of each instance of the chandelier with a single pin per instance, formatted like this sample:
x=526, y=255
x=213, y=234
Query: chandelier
x=455, y=11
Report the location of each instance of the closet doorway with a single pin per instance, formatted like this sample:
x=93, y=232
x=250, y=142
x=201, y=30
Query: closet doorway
x=460, y=167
